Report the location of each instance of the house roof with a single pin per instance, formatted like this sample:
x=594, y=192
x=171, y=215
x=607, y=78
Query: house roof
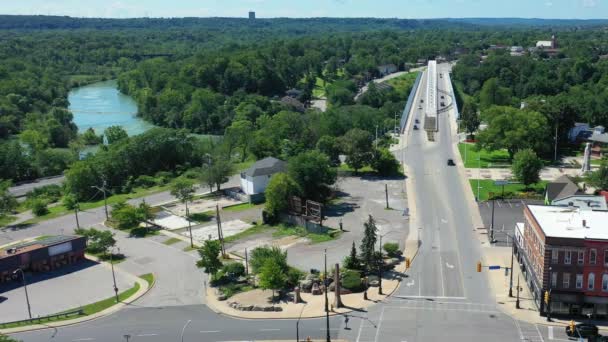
x=266, y=166
x=560, y=188
x=295, y=103
x=35, y=244
x=601, y=138
x=571, y=222
x=584, y=202
x=544, y=43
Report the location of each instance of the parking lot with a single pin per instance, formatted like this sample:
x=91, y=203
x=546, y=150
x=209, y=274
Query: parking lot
x=506, y=214
x=67, y=288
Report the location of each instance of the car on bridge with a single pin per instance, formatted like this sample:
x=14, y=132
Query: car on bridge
x=417, y=121
x=415, y=127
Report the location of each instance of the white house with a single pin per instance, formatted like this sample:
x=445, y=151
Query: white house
x=255, y=179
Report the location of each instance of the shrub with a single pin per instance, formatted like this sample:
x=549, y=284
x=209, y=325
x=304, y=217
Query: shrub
x=294, y=276
x=39, y=207
x=50, y=193
x=392, y=249
x=163, y=177
x=260, y=255
x=351, y=280
x=385, y=163
x=145, y=181
x=233, y=270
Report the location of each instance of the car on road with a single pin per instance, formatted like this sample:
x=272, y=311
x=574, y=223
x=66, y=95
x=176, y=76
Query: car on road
x=421, y=100
x=442, y=97
x=451, y=162
x=419, y=107
x=417, y=121
x=442, y=104
x=583, y=330
x=440, y=75
x=415, y=127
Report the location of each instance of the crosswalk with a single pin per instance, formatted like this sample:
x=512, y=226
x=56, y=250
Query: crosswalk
x=529, y=332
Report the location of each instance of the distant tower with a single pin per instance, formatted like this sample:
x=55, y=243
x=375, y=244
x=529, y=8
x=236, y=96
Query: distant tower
x=251, y=15
x=553, y=42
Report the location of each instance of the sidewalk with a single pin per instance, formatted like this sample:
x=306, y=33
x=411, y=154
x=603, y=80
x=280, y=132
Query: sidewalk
x=547, y=173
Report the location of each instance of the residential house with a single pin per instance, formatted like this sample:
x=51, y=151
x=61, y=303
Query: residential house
x=255, y=179
x=387, y=69
x=560, y=188
x=583, y=202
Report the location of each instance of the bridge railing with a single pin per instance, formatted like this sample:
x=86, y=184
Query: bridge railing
x=453, y=94
x=410, y=102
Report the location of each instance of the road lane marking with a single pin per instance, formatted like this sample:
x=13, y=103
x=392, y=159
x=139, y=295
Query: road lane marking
x=539, y=334
x=429, y=297
x=447, y=264
x=411, y=283
x=209, y=331
x=146, y=335
x=84, y=339
x=270, y=329
x=379, y=324
x=441, y=264
x=550, y=333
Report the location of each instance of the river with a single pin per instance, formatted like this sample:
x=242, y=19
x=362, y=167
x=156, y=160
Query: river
x=100, y=105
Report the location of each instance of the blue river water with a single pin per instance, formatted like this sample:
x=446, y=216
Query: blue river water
x=100, y=105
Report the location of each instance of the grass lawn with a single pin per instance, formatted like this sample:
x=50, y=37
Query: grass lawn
x=232, y=289
x=171, y=241
x=242, y=207
x=345, y=167
x=148, y=277
x=244, y=165
x=203, y=217
x=319, y=89
x=88, y=309
x=598, y=162
x=404, y=83
x=283, y=230
x=6, y=220
x=511, y=191
x=189, y=248
x=258, y=229
x=488, y=159
x=116, y=258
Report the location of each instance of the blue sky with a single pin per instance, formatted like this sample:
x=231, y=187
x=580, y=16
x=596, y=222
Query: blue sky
x=583, y=9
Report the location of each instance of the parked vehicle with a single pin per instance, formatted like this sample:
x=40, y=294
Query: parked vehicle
x=583, y=330
x=451, y=162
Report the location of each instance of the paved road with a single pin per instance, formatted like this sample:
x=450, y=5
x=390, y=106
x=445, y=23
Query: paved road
x=21, y=189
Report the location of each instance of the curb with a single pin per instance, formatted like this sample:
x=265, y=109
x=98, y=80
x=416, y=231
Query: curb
x=112, y=309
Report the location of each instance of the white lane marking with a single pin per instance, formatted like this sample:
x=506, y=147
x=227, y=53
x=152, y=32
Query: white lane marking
x=84, y=339
x=430, y=297
x=550, y=333
x=440, y=263
x=539, y=334
x=379, y=324
x=411, y=283
x=209, y=331
x=444, y=221
x=360, y=328
x=270, y=329
x=146, y=335
x=447, y=264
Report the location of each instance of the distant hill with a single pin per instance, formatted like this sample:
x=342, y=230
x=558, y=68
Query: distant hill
x=292, y=26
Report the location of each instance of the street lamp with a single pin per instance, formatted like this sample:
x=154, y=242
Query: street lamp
x=27, y=298
x=380, y=263
x=479, y=175
x=113, y=274
x=105, y=200
x=298, y=323
x=328, y=338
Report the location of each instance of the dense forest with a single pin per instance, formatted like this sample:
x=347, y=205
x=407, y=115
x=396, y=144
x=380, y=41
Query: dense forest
x=219, y=75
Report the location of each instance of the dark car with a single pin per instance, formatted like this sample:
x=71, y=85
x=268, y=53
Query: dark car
x=451, y=162
x=417, y=121
x=415, y=127
x=583, y=330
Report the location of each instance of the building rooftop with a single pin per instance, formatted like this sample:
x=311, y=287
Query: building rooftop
x=560, y=188
x=585, y=202
x=571, y=222
x=23, y=247
x=266, y=166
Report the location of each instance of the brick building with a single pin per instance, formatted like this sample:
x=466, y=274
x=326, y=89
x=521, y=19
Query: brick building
x=41, y=255
x=565, y=251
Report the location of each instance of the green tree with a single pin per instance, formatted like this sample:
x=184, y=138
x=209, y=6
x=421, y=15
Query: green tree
x=385, y=162
x=313, y=173
x=493, y=94
x=90, y=138
x=220, y=171
x=368, y=243
x=183, y=190
x=239, y=134
x=114, y=134
x=357, y=145
x=526, y=167
x=126, y=216
x=272, y=276
x=513, y=130
x=98, y=241
x=210, y=257
x=39, y=207
x=352, y=260
x=260, y=255
x=71, y=202
x=7, y=201
x=280, y=188
x=331, y=147
x=599, y=178
x=470, y=117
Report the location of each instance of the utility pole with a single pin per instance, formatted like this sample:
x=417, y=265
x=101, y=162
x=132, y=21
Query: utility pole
x=27, y=298
x=328, y=338
x=114, y=275
x=189, y=224
x=492, y=223
x=220, y=234
x=511, y=280
x=246, y=263
x=555, y=149
x=396, y=122
x=76, y=208
x=380, y=262
x=386, y=195
x=479, y=169
x=376, y=141
x=105, y=199
x=517, y=301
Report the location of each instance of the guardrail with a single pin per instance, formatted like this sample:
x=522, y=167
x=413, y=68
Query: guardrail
x=410, y=100
x=44, y=319
x=453, y=94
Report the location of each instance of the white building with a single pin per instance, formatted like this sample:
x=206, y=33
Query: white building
x=255, y=179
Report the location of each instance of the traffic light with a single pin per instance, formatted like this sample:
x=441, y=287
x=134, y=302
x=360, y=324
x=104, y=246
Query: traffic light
x=572, y=326
x=547, y=297
x=408, y=262
x=479, y=266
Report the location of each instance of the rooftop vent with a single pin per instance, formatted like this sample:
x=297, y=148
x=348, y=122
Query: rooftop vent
x=585, y=223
